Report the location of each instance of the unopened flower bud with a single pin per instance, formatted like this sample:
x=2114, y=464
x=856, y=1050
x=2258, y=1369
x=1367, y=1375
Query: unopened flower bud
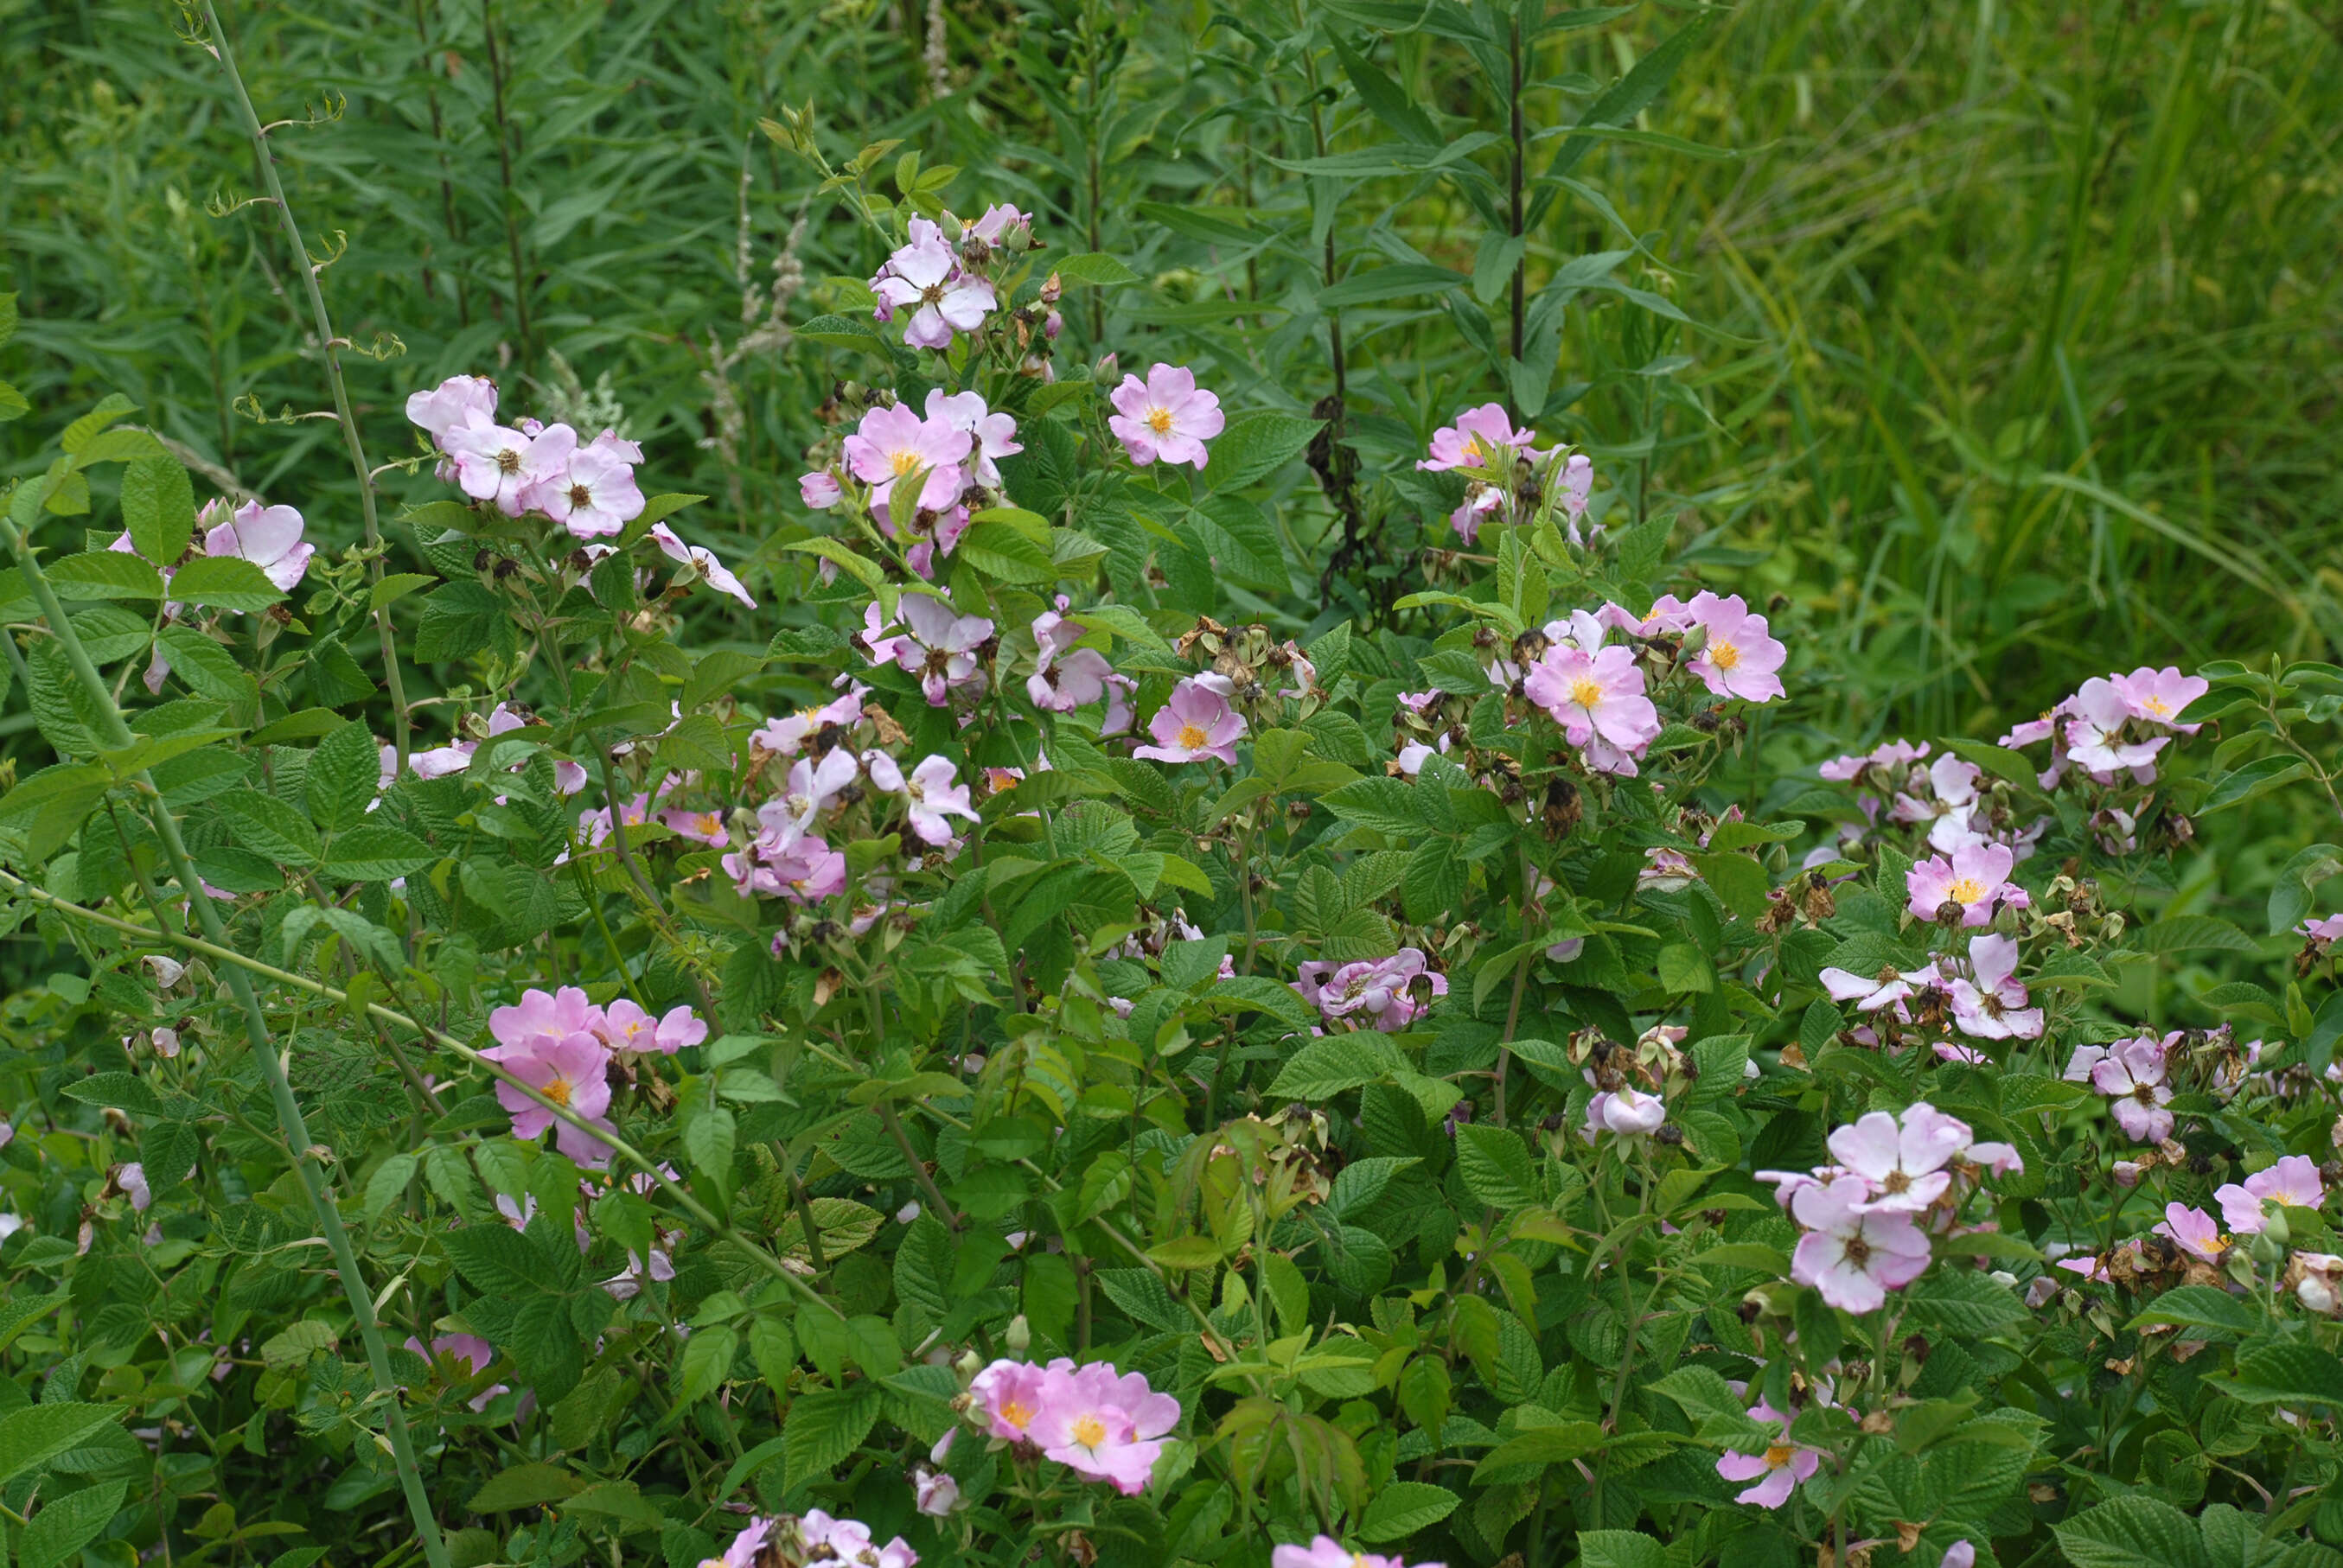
x=2268, y=1251
x=1019, y=1335
x=969, y=1364
x=2274, y=1227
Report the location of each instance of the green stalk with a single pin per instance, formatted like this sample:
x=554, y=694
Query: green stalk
x=329, y=345
x=289, y=1120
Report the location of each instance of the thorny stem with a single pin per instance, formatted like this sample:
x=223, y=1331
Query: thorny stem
x=327, y=345
x=273, y=1067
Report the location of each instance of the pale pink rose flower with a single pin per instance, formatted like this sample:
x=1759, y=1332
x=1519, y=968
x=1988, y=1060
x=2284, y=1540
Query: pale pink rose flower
x=1741, y=656
x=702, y=560
x=820, y=491
x=2194, y=1232
x=1777, y=1469
x=1902, y=1166
x=1475, y=440
x=895, y=443
x=2158, y=696
x=1194, y=723
x=1975, y=877
x=2293, y=1184
x=937, y=646
x=1596, y=696
x=2132, y=1074
x=993, y=435
x=1009, y=1396
x=457, y=400
x=1993, y=1006
x=1852, y=1253
x=1104, y=1426
x=1166, y=419
x=595, y=492
x=924, y=277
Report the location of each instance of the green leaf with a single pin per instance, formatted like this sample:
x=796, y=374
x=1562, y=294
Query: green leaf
x=2254, y=778
x=68, y=1524
x=1496, y=1165
x=1093, y=268
x=2134, y=1531
x=263, y=823
x=2201, y=1307
x=460, y=619
x=707, y=1138
x=493, y=1260
x=122, y=1090
x=2184, y=934
x=1002, y=550
x=158, y=508
x=1326, y=1067
x=1736, y=879
x=706, y=1361
x=34, y=1436
x=1404, y=1507
x=863, y=569
x=2290, y=1371
x=1256, y=445
x=1619, y=1548
x=114, y=406
x=825, y=1426
x=376, y=852
x=397, y=586
x=208, y=669
x=1396, y=280
x=342, y=774
x=528, y=1485
x=105, y=574
x=387, y=1185
x=224, y=582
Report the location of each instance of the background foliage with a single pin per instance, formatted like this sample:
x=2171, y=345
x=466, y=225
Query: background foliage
x=1994, y=346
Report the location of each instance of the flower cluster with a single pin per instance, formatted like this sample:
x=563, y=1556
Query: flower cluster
x=1982, y=996
x=2114, y=726
x=561, y=1045
x=1100, y=1423
x=943, y=460
x=794, y=1542
x=267, y=536
x=588, y=488
x=944, y=651
x=1508, y=480
x=1388, y=994
x=1600, y=691
x=1948, y=797
x=940, y=281
x=1863, y=1217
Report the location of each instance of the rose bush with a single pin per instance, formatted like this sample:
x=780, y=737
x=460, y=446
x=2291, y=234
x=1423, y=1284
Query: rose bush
x=1041, y=1066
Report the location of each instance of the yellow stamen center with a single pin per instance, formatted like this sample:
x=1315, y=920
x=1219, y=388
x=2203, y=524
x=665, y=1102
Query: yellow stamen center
x=904, y=462
x=1724, y=654
x=1778, y=1456
x=1966, y=890
x=508, y=462
x=557, y=1091
x=1193, y=737
x=1160, y=421
x=1016, y=1414
x=1088, y=1430
x=1586, y=691
x=2155, y=705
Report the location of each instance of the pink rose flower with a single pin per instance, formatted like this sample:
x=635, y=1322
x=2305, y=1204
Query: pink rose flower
x=1741, y=655
x=1598, y=699
x=1777, y=1469
x=1852, y=1252
x=1993, y=1005
x=1165, y=419
x=1196, y=722
x=820, y=491
x=2132, y=1074
x=2194, y=1232
x=594, y=493
x=937, y=646
x=2293, y=1184
x=267, y=536
x=924, y=277
x=894, y=443
x=701, y=560
x=1103, y=1426
x=1473, y=441
x=1009, y=1396
x=994, y=435
x=1975, y=877
x=456, y=401
x=2158, y=696
x=1902, y=1167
